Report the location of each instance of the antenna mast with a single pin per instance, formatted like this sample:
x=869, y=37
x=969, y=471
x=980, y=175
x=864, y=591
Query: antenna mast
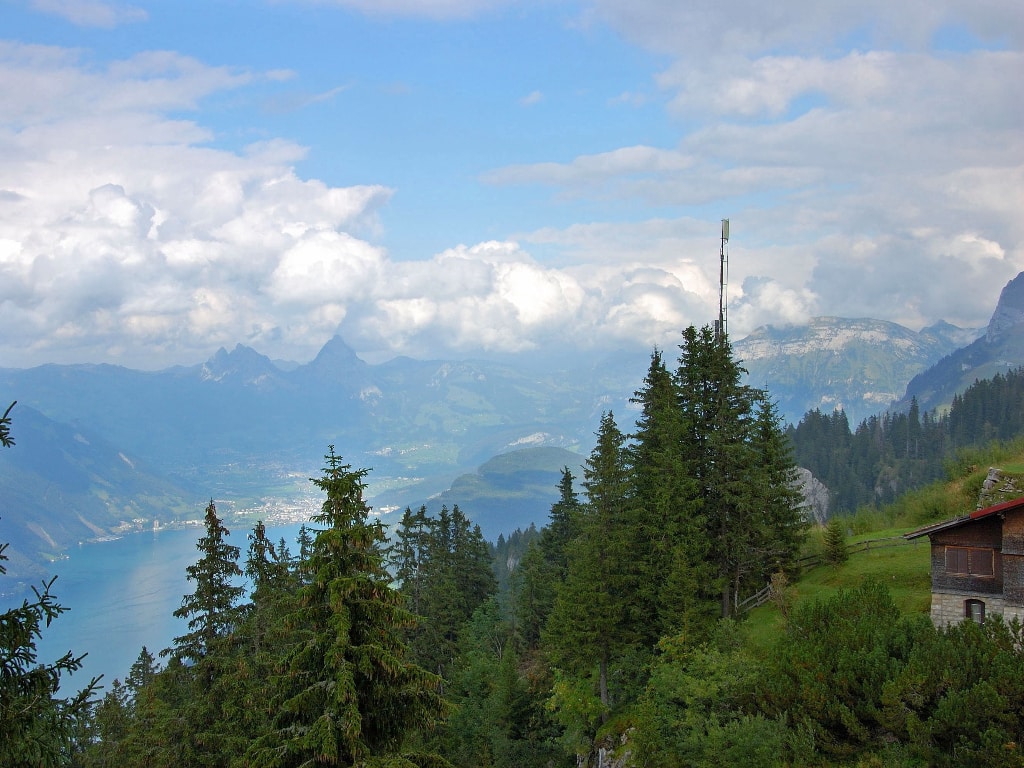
x=723, y=283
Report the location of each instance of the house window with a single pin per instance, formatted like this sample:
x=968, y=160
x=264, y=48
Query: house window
x=975, y=611
x=970, y=561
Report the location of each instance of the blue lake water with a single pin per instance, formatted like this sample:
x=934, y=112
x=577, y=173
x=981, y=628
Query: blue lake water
x=121, y=595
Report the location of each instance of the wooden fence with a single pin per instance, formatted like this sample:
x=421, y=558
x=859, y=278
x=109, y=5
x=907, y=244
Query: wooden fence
x=764, y=594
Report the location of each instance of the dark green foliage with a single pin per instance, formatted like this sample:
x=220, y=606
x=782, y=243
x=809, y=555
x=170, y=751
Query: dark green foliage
x=734, y=447
x=544, y=566
x=37, y=727
x=346, y=693
x=699, y=707
x=836, y=552
x=443, y=568
x=960, y=698
x=211, y=609
x=839, y=655
x=6, y=441
x=890, y=454
x=669, y=539
x=500, y=717
x=593, y=622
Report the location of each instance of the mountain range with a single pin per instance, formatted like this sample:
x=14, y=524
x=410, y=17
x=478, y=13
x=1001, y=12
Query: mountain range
x=102, y=449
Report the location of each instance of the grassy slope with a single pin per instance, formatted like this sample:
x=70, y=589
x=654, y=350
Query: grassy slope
x=903, y=568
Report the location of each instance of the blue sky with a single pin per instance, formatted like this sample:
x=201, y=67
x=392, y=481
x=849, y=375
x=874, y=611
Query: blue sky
x=472, y=177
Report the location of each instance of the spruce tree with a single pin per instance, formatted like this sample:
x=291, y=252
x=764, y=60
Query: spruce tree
x=593, y=620
x=211, y=609
x=736, y=450
x=777, y=528
x=836, y=552
x=346, y=692
x=545, y=564
x=669, y=540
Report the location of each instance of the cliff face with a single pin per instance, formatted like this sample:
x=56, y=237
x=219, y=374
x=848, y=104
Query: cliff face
x=1009, y=311
x=999, y=350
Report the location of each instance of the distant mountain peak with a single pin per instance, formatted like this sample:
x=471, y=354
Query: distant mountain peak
x=336, y=350
x=242, y=364
x=335, y=363
x=1009, y=311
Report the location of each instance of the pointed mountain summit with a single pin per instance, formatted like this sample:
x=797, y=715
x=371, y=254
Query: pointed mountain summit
x=1001, y=349
x=1009, y=311
x=336, y=365
x=243, y=365
x=336, y=357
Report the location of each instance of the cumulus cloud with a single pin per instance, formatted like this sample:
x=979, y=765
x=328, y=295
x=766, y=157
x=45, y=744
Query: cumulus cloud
x=126, y=237
x=837, y=135
x=875, y=177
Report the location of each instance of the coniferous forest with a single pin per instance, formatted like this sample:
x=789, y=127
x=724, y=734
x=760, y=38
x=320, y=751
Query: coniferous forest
x=614, y=635
x=888, y=455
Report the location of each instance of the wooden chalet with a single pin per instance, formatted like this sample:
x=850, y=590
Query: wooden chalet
x=978, y=564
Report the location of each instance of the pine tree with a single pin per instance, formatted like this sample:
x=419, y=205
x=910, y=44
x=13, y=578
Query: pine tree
x=545, y=564
x=835, y=542
x=346, y=693
x=670, y=543
x=593, y=620
x=211, y=609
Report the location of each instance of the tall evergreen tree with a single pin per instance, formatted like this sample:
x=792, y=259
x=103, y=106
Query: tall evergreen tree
x=443, y=567
x=212, y=609
x=738, y=453
x=347, y=694
x=593, y=620
x=669, y=540
x=777, y=527
x=545, y=564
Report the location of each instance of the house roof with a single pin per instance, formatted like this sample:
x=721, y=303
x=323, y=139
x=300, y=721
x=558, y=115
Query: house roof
x=996, y=509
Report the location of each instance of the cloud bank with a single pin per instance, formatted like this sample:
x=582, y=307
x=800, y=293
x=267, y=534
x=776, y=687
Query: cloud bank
x=868, y=167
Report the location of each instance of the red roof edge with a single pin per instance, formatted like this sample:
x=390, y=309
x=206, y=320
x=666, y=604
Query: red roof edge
x=996, y=508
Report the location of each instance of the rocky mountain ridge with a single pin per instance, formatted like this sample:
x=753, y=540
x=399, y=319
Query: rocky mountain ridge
x=860, y=365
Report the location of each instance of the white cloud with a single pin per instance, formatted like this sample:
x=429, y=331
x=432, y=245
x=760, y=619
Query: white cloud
x=889, y=174
x=124, y=237
x=534, y=97
x=91, y=13
x=874, y=178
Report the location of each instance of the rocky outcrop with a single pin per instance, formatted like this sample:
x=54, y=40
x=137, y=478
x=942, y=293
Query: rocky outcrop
x=1000, y=486
x=816, y=496
x=1009, y=311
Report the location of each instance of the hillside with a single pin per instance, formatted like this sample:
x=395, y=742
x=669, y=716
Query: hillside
x=510, y=491
x=999, y=349
x=98, y=489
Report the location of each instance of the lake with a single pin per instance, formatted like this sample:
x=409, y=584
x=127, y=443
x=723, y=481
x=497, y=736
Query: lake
x=120, y=596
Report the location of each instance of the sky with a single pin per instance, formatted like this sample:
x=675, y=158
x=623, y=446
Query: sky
x=482, y=178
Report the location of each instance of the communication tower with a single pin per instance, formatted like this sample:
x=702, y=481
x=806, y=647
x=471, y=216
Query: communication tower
x=723, y=283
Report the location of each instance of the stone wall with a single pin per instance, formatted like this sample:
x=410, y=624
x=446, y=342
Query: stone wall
x=949, y=607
